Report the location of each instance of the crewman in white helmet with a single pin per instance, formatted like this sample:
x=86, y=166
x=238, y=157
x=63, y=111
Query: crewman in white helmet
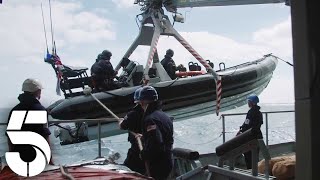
x=29, y=100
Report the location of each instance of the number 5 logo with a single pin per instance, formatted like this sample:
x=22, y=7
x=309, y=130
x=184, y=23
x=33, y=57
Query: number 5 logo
x=38, y=143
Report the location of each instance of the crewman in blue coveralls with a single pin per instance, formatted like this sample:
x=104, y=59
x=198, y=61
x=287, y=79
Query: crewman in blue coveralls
x=133, y=122
x=157, y=131
x=253, y=120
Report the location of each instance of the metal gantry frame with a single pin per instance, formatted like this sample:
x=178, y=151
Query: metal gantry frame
x=155, y=23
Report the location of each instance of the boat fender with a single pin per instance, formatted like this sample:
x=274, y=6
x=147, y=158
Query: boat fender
x=210, y=63
x=185, y=154
x=198, y=68
x=192, y=66
x=222, y=64
x=237, y=141
x=190, y=73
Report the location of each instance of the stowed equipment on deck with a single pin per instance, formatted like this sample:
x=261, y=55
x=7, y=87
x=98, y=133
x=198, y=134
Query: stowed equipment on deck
x=228, y=152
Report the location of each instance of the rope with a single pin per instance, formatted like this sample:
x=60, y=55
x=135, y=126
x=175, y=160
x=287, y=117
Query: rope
x=279, y=59
x=138, y=138
x=65, y=174
x=175, y=80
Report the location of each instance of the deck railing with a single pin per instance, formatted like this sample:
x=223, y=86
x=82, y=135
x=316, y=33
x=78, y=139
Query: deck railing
x=52, y=122
x=266, y=119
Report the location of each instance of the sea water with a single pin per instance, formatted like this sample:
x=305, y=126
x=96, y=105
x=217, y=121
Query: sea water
x=202, y=133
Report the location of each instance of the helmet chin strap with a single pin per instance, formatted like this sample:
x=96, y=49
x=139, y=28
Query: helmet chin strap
x=145, y=107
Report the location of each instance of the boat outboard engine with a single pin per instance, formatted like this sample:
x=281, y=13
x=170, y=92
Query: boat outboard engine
x=68, y=135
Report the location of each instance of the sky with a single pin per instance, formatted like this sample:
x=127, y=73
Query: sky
x=82, y=29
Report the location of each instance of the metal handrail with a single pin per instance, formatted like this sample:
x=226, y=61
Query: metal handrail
x=83, y=120
x=238, y=114
x=115, y=120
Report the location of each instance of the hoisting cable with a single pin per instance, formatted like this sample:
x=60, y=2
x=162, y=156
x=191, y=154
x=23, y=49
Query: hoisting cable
x=52, y=39
x=44, y=29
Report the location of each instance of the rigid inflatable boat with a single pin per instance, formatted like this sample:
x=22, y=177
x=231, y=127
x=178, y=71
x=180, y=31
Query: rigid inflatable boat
x=197, y=92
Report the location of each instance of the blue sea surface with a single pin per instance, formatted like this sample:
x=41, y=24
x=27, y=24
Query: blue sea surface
x=202, y=134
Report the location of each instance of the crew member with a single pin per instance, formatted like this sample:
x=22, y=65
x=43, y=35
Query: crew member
x=133, y=122
x=102, y=72
x=29, y=100
x=157, y=134
x=168, y=64
x=253, y=120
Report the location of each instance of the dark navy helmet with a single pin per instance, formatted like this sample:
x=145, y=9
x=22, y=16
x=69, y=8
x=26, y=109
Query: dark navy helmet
x=148, y=93
x=106, y=54
x=136, y=96
x=170, y=52
x=99, y=57
x=253, y=98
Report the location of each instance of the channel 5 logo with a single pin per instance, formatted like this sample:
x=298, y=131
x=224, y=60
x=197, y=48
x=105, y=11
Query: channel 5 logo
x=36, y=155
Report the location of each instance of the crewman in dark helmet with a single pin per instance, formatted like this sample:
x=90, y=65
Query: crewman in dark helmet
x=102, y=72
x=168, y=64
x=157, y=133
x=253, y=120
x=133, y=122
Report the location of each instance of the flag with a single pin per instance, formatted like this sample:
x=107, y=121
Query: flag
x=48, y=57
x=59, y=66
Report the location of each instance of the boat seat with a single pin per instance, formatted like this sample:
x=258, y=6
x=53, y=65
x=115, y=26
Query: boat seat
x=76, y=83
x=152, y=72
x=70, y=71
x=134, y=77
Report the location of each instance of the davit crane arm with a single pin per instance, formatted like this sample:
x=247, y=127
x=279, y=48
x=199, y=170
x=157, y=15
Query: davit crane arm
x=155, y=23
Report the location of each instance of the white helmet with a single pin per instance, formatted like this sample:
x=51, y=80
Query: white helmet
x=31, y=85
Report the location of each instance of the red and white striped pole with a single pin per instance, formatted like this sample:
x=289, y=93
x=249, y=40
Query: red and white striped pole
x=217, y=78
x=219, y=93
x=154, y=49
x=150, y=59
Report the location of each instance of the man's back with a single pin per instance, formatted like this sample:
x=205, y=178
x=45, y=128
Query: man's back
x=170, y=66
x=158, y=137
x=103, y=68
x=28, y=102
x=254, y=119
